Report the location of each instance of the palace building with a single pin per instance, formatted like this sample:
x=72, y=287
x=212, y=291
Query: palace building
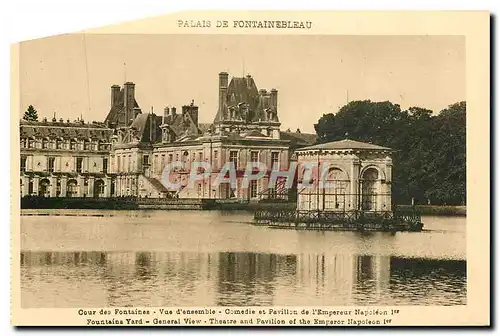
x=65, y=159
x=126, y=154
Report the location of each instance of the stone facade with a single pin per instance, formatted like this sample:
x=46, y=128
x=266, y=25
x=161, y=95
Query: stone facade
x=352, y=176
x=127, y=153
x=65, y=159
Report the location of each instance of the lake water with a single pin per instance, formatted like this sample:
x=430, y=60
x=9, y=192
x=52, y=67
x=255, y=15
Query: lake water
x=209, y=258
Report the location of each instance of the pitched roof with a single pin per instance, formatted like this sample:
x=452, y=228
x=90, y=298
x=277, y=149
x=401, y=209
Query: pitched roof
x=182, y=124
x=253, y=133
x=299, y=139
x=244, y=90
x=346, y=144
x=205, y=127
x=65, y=130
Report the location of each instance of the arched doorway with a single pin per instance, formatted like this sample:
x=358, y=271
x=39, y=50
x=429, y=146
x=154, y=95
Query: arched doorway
x=44, y=188
x=99, y=188
x=369, y=189
x=334, y=191
x=72, y=188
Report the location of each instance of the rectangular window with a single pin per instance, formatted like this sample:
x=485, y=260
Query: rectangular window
x=253, y=189
x=162, y=166
x=254, y=156
x=118, y=163
x=79, y=164
x=51, y=164
x=216, y=155
x=275, y=160
x=145, y=160
x=130, y=163
x=105, y=165
x=200, y=156
x=23, y=163
x=170, y=158
x=233, y=157
x=156, y=167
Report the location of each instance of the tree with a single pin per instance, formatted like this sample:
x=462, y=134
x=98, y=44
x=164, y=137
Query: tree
x=449, y=156
x=429, y=162
x=30, y=114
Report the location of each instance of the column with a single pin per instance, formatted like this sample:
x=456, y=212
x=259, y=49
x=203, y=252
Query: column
x=53, y=186
x=23, y=187
x=90, y=192
x=81, y=186
x=107, y=187
x=64, y=183
x=388, y=183
x=36, y=183
x=354, y=185
x=387, y=199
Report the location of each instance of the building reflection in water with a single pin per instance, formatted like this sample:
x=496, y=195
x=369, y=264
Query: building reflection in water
x=235, y=279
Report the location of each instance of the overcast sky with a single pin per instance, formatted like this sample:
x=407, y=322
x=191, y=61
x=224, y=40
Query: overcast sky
x=72, y=74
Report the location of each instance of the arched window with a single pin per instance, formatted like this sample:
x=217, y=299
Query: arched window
x=369, y=189
x=334, y=190
x=44, y=188
x=72, y=188
x=99, y=188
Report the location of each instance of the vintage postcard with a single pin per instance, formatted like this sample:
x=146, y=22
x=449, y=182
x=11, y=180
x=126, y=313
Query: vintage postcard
x=256, y=169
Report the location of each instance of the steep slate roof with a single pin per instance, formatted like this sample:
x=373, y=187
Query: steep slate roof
x=254, y=133
x=65, y=130
x=118, y=107
x=142, y=124
x=205, y=127
x=182, y=124
x=346, y=144
x=242, y=90
x=299, y=139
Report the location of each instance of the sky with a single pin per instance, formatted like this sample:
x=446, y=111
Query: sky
x=71, y=75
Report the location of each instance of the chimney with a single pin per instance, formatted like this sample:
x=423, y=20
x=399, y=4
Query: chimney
x=152, y=127
x=166, y=112
x=115, y=93
x=248, y=80
x=129, y=101
x=193, y=111
x=223, y=84
x=274, y=99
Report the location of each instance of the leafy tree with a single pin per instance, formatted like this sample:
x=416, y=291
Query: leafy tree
x=429, y=162
x=449, y=156
x=31, y=114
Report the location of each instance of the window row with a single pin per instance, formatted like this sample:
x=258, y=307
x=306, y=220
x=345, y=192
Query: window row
x=50, y=164
x=64, y=144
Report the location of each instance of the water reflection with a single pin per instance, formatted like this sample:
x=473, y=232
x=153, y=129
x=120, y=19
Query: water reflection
x=95, y=279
